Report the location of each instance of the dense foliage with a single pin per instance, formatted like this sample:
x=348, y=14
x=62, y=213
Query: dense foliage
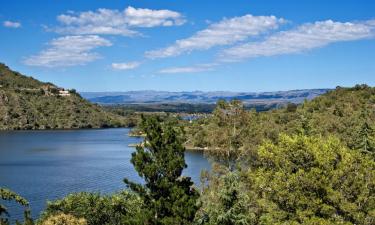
x=26, y=103
x=168, y=197
x=298, y=180
x=347, y=113
x=96, y=209
x=64, y=219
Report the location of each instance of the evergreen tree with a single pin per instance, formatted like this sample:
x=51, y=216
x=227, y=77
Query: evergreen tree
x=224, y=202
x=168, y=197
x=365, y=136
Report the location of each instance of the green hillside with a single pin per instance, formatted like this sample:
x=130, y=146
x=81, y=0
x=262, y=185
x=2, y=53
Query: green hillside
x=344, y=112
x=26, y=103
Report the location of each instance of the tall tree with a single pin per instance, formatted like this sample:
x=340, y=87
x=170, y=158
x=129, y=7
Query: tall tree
x=365, y=135
x=365, y=142
x=230, y=120
x=224, y=201
x=168, y=197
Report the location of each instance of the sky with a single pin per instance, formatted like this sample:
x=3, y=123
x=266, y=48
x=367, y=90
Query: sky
x=188, y=45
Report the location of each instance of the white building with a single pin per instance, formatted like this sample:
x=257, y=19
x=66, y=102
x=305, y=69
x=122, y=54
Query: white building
x=64, y=93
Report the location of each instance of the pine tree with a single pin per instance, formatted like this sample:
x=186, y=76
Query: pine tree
x=168, y=197
x=365, y=142
x=224, y=202
x=365, y=136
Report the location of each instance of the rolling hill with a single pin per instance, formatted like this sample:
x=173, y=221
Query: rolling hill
x=26, y=103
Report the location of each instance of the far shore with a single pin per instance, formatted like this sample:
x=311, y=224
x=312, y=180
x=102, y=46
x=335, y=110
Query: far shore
x=65, y=129
x=188, y=148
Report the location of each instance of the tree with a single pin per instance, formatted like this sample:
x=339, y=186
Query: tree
x=310, y=180
x=168, y=197
x=224, y=201
x=366, y=142
x=229, y=126
x=64, y=219
x=8, y=195
x=365, y=136
x=96, y=209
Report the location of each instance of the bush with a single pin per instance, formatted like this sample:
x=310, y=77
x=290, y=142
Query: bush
x=120, y=208
x=64, y=219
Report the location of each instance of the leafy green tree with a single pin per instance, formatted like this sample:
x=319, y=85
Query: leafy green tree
x=8, y=195
x=64, y=219
x=168, y=198
x=310, y=180
x=96, y=209
x=227, y=132
x=224, y=202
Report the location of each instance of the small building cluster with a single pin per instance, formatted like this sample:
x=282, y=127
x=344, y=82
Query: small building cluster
x=53, y=90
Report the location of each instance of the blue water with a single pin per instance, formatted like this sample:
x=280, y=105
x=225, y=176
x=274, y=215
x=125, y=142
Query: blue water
x=47, y=165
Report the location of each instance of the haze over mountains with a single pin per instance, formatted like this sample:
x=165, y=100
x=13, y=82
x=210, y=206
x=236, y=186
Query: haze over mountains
x=199, y=97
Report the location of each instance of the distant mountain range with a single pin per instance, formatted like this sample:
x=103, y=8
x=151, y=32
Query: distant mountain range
x=199, y=97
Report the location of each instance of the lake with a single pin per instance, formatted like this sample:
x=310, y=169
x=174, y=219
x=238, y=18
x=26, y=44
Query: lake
x=46, y=165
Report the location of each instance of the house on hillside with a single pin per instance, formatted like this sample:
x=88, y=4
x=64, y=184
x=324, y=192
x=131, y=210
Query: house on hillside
x=64, y=93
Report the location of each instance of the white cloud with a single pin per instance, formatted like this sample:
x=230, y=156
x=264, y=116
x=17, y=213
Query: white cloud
x=305, y=37
x=11, y=24
x=189, y=69
x=115, y=22
x=125, y=66
x=152, y=18
x=68, y=51
x=225, y=32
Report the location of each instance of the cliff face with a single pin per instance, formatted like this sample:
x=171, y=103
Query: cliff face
x=26, y=103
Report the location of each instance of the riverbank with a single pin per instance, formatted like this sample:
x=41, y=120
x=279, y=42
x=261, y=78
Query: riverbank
x=188, y=148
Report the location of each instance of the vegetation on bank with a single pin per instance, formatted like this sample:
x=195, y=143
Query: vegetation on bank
x=306, y=164
x=347, y=113
x=26, y=103
x=188, y=108
x=311, y=164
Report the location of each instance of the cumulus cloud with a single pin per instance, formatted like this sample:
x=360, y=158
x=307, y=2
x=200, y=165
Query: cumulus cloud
x=225, y=32
x=152, y=18
x=190, y=69
x=125, y=65
x=115, y=22
x=68, y=51
x=11, y=24
x=305, y=37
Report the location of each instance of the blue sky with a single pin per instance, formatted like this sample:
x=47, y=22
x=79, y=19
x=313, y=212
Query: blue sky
x=253, y=45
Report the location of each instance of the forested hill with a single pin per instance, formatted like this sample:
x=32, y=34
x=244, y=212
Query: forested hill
x=347, y=113
x=26, y=103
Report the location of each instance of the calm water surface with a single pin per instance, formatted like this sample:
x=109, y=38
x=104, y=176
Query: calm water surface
x=46, y=165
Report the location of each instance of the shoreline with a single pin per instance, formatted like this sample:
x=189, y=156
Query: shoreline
x=190, y=149
x=65, y=129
